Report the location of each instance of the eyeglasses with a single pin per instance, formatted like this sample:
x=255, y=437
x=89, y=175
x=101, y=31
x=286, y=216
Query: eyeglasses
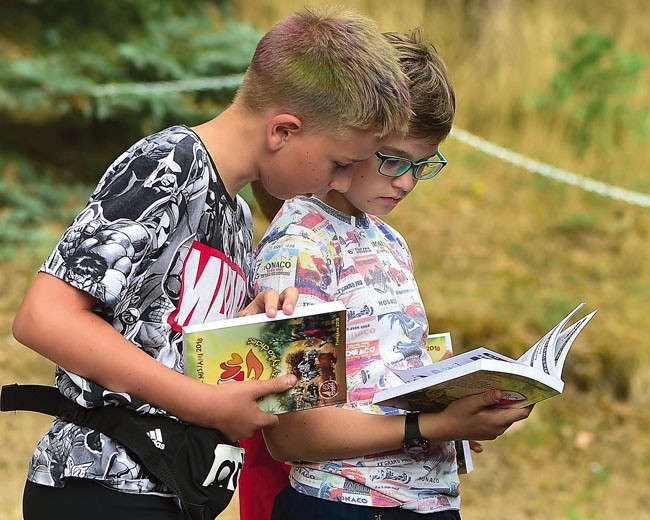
x=393, y=166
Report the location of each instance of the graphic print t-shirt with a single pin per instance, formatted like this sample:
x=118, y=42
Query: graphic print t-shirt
x=366, y=264
x=161, y=244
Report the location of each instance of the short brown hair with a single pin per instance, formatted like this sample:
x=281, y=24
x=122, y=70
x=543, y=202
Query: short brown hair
x=433, y=101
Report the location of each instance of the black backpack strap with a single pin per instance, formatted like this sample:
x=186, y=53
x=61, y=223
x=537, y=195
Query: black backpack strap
x=36, y=398
x=116, y=422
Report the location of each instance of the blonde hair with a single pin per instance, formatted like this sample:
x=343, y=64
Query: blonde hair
x=331, y=68
x=433, y=101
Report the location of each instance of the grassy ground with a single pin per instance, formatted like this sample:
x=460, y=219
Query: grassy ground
x=501, y=255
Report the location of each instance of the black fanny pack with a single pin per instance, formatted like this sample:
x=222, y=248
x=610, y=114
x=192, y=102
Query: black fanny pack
x=196, y=464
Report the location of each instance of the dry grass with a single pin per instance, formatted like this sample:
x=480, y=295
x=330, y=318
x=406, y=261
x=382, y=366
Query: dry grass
x=501, y=255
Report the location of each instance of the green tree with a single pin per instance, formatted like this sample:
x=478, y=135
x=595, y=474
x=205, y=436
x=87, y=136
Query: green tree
x=81, y=80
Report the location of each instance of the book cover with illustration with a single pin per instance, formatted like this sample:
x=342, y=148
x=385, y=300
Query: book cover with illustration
x=309, y=343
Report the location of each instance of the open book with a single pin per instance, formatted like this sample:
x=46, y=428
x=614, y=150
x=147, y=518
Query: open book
x=535, y=376
x=310, y=343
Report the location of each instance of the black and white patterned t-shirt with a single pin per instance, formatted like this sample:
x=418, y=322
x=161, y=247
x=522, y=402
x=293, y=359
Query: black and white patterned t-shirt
x=160, y=244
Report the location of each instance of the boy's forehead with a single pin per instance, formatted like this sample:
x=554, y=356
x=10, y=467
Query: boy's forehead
x=357, y=145
x=409, y=147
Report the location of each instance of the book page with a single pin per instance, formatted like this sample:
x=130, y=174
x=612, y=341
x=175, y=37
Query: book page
x=566, y=338
x=446, y=364
x=520, y=385
x=542, y=354
x=536, y=351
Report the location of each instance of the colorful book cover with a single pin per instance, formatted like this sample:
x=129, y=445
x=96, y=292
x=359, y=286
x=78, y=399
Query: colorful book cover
x=439, y=346
x=309, y=343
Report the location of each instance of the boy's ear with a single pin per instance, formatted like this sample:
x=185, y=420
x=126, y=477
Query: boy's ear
x=279, y=128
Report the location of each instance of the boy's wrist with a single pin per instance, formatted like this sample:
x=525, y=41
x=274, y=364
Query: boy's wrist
x=415, y=445
x=434, y=427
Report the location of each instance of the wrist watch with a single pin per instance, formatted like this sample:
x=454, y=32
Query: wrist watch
x=414, y=445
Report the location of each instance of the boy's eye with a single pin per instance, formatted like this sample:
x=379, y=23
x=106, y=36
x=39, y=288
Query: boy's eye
x=393, y=164
x=341, y=166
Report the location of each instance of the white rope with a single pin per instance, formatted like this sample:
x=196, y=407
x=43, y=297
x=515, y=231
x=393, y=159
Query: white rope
x=190, y=85
x=504, y=154
x=546, y=170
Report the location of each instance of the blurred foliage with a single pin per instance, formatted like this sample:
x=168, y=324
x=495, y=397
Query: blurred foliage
x=58, y=57
x=32, y=204
x=592, y=89
x=77, y=85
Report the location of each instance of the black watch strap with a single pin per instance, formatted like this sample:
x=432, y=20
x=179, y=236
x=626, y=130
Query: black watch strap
x=412, y=426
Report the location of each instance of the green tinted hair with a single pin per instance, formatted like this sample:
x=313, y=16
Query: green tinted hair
x=331, y=68
x=433, y=101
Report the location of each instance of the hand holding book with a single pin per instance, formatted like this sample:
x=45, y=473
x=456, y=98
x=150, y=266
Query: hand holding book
x=310, y=343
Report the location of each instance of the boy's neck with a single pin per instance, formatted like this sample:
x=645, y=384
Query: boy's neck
x=234, y=145
x=337, y=200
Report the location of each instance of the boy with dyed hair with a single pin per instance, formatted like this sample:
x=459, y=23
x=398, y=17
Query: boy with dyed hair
x=362, y=461
x=165, y=242
x=330, y=72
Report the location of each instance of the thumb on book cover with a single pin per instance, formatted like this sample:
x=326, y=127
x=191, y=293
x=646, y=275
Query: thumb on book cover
x=276, y=385
x=492, y=397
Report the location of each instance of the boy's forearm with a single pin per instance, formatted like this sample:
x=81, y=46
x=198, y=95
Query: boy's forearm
x=331, y=433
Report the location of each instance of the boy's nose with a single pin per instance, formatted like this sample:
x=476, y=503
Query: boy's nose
x=342, y=181
x=405, y=182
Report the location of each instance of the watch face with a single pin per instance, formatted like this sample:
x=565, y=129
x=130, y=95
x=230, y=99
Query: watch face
x=417, y=448
x=414, y=445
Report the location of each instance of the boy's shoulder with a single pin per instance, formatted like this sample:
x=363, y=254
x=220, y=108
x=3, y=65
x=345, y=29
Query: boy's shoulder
x=179, y=140
x=386, y=228
x=172, y=135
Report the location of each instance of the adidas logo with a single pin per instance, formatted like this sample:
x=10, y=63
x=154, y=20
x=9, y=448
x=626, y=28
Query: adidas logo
x=156, y=438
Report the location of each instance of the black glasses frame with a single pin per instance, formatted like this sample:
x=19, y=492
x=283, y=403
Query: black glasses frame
x=416, y=167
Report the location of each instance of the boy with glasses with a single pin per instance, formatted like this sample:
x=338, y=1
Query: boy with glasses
x=361, y=461
x=165, y=241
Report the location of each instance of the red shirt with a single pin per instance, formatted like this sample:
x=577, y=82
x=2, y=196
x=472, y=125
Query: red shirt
x=261, y=480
